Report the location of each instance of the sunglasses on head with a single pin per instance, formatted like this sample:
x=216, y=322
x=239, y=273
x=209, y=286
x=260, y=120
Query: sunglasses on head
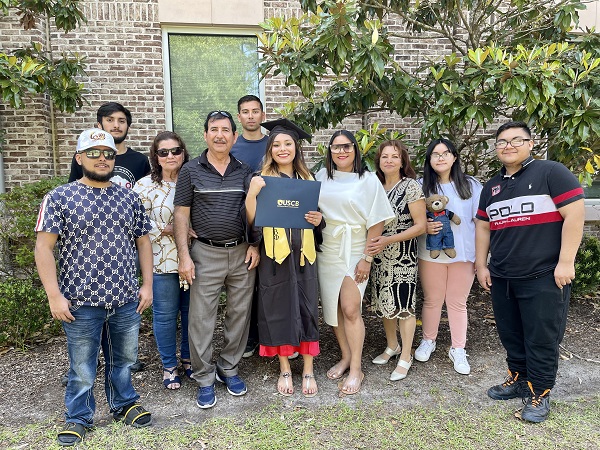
x=223, y=113
x=164, y=152
x=94, y=153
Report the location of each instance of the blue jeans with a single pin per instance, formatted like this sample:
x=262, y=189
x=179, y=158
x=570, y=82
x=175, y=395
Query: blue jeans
x=120, y=349
x=170, y=300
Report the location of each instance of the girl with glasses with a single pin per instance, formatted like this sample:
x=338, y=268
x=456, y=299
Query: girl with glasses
x=446, y=279
x=356, y=208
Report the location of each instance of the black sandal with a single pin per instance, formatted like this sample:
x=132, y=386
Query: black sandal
x=134, y=415
x=188, y=370
x=173, y=379
x=72, y=433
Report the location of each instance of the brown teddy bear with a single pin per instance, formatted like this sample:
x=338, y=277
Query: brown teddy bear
x=444, y=239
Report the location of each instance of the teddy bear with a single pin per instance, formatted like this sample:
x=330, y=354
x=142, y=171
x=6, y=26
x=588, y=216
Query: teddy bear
x=444, y=240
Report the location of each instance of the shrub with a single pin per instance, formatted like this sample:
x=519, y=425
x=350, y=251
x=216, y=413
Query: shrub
x=587, y=267
x=24, y=313
x=18, y=214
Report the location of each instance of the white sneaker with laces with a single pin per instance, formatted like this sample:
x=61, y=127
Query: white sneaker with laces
x=424, y=350
x=459, y=357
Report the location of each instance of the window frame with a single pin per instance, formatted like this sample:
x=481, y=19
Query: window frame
x=199, y=30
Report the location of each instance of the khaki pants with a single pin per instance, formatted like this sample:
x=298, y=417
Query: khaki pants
x=216, y=267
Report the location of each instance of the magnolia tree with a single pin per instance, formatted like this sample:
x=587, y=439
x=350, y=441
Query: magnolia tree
x=505, y=60
x=33, y=69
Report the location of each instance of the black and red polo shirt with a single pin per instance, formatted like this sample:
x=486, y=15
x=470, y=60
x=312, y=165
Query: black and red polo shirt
x=525, y=224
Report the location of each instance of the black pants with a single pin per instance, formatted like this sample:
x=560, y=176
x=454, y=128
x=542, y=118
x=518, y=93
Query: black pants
x=531, y=316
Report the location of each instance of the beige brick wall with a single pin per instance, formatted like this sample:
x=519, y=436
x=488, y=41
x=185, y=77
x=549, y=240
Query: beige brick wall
x=123, y=44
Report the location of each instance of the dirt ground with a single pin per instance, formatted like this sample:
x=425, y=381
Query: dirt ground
x=31, y=390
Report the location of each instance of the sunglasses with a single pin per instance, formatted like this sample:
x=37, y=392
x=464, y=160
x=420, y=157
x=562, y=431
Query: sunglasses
x=342, y=148
x=164, y=152
x=222, y=113
x=94, y=153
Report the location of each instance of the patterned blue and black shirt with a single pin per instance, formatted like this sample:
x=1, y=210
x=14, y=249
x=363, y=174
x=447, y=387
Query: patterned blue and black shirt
x=97, y=229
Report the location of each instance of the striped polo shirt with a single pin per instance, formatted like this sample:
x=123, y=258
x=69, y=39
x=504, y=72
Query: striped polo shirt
x=216, y=201
x=525, y=224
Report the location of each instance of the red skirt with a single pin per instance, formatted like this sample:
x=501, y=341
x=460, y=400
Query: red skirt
x=305, y=348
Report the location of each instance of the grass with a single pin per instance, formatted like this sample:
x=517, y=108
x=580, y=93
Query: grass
x=573, y=425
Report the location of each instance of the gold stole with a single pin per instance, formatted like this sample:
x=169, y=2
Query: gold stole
x=277, y=246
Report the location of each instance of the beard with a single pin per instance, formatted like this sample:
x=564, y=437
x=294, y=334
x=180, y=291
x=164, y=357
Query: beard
x=96, y=177
x=118, y=140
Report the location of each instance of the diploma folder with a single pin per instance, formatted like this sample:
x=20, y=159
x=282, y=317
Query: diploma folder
x=283, y=202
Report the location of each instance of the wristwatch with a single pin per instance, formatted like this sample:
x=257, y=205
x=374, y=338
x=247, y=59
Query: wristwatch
x=367, y=258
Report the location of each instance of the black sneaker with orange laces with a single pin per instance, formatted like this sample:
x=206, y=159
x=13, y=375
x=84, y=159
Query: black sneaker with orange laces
x=511, y=388
x=537, y=407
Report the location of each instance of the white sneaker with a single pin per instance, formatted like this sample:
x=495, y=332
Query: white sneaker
x=459, y=357
x=425, y=349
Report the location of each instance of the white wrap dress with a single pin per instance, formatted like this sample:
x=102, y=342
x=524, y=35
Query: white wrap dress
x=350, y=205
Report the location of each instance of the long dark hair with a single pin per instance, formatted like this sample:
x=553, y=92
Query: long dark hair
x=155, y=168
x=431, y=182
x=270, y=167
x=406, y=171
x=357, y=167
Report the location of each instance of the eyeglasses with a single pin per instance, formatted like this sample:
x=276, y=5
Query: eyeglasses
x=443, y=156
x=514, y=142
x=223, y=113
x=94, y=153
x=164, y=152
x=342, y=148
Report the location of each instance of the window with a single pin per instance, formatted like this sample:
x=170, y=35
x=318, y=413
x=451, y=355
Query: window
x=204, y=72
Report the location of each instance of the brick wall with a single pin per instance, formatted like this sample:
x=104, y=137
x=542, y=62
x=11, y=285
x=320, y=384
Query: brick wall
x=122, y=43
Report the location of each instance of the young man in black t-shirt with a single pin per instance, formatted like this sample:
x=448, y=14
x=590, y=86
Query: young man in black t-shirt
x=530, y=219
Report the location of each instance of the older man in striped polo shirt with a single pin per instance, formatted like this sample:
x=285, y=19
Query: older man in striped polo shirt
x=210, y=194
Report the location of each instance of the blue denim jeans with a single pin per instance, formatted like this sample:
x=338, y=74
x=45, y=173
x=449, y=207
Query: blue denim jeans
x=120, y=347
x=170, y=300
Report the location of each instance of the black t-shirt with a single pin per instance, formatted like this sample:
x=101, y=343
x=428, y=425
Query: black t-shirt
x=129, y=168
x=525, y=224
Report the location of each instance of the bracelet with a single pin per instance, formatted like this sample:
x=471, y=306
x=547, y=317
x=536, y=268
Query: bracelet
x=367, y=258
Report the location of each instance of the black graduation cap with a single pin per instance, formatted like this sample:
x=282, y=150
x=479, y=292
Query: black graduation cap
x=286, y=126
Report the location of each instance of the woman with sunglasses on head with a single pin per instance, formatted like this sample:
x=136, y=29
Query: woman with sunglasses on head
x=394, y=271
x=446, y=279
x=157, y=190
x=288, y=293
x=356, y=208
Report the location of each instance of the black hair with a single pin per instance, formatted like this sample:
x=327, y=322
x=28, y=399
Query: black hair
x=249, y=98
x=431, y=182
x=155, y=168
x=111, y=107
x=357, y=166
x=216, y=115
x=514, y=124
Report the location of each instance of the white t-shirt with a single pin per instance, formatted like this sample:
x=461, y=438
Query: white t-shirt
x=464, y=234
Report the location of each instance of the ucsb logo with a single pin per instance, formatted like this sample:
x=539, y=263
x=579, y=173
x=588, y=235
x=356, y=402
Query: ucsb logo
x=288, y=203
x=512, y=210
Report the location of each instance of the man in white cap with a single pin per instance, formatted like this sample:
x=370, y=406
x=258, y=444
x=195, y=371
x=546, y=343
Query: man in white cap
x=102, y=228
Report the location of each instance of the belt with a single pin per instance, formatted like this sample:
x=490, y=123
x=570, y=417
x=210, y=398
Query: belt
x=223, y=244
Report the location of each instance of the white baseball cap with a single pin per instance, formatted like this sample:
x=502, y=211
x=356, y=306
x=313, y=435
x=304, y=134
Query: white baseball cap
x=93, y=137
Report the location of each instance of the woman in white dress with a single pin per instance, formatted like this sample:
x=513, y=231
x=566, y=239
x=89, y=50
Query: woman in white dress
x=355, y=208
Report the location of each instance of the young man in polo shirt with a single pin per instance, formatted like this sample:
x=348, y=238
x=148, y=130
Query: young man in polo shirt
x=531, y=218
x=211, y=191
